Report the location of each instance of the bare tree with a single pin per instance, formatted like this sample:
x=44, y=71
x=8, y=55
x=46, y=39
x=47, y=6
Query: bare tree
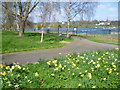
x=73, y=9
x=46, y=10
x=7, y=18
x=21, y=10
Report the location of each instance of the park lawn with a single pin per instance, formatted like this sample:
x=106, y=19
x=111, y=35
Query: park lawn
x=93, y=69
x=102, y=38
x=11, y=42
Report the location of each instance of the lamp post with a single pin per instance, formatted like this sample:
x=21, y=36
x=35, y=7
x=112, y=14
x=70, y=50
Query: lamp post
x=59, y=26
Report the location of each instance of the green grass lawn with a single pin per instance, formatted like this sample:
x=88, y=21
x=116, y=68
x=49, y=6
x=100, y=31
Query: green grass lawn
x=98, y=69
x=102, y=38
x=11, y=42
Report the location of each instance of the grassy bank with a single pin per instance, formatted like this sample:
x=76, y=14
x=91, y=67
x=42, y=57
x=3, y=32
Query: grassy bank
x=11, y=42
x=102, y=38
x=98, y=69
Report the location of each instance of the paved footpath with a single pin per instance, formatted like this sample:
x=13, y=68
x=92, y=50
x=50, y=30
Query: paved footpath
x=78, y=45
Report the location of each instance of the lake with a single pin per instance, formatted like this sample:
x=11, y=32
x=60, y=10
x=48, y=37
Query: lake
x=79, y=30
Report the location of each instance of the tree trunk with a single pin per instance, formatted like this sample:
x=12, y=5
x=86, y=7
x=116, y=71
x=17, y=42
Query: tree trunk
x=68, y=28
x=68, y=21
x=42, y=36
x=22, y=28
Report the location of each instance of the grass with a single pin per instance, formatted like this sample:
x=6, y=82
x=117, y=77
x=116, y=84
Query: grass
x=98, y=69
x=102, y=38
x=11, y=42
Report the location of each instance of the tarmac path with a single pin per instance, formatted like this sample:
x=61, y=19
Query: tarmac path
x=78, y=45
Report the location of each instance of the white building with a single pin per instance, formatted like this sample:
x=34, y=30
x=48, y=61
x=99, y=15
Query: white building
x=103, y=23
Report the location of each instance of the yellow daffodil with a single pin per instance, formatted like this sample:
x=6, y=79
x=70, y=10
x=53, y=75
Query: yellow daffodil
x=84, y=61
x=54, y=62
x=104, y=79
x=77, y=68
x=97, y=61
x=99, y=58
x=86, y=70
x=112, y=63
x=106, y=62
x=48, y=62
x=110, y=69
x=5, y=79
x=107, y=69
x=19, y=67
x=84, y=54
x=98, y=65
x=117, y=48
x=73, y=74
x=77, y=60
x=82, y=75
x=96, y=52
x=93, y=86
x=117, y=73
x=1, y=66
x=56, y=69
x=110, y=72
x=115, y=59
x=23, y=69
x=104, y=58
x=91, y=60
x=68, y=69
x=18, y=75
x=74, y=64
x=79, y=85
x=8, y=67
x=55, y=65
x=89, y=75
x=8, y=71
x=81, y=57
x=12, y=67
x=114, y=66
x=107, y=53
x=105, y=66
x=4, y=73
x=16, y=86
x=94, y=62
x=60, y=66
x=64, y=65
x=52, y=74
x=36, y=74
x=16, y=65
x=8, y=82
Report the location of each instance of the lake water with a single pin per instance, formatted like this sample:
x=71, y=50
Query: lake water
x=79, y=30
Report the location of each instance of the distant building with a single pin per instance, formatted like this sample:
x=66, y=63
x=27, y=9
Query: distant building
x=103, y=23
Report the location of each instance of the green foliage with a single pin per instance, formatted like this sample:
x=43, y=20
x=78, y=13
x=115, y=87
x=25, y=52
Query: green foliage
x=98, y=69
x=39, y=27
x=11, y=42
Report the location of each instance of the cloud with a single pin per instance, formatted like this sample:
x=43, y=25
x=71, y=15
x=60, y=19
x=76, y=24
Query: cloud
x=112, y=9
x=113, y=17
x=101, y=6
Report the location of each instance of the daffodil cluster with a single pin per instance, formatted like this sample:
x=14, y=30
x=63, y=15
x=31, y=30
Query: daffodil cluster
x=95, y=64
